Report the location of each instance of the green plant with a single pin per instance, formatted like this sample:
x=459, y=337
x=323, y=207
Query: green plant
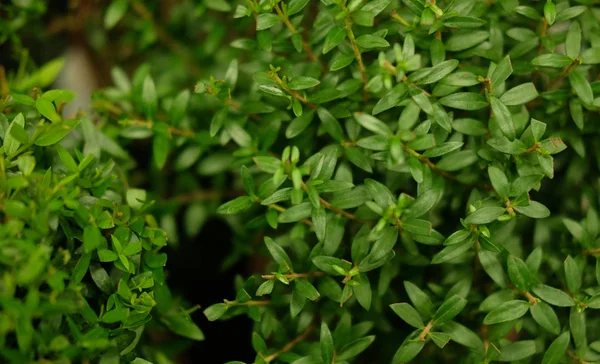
x=403, y=163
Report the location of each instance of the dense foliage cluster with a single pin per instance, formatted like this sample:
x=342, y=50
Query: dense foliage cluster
x=422, y=176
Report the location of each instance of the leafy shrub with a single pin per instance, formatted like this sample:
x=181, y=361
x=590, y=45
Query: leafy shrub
x=405, y=168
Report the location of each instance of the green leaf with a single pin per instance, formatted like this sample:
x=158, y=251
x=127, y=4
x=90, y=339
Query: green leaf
x=577, y=324
x=438, y=72
x=330, y=124
x=573, y=40
x=355, y=347
x=334, y=37
x=553, y=296
x=106, y=255
x=266, y=20
x=214, y=312
x=306, y=289
x=409, y=349
x=507, y=311
x=115, y=315
x=439, y=338
x=581, y=86
x=464, y=101
x=457, y=161
x=502, y=144
x=47, y=109
x=372, y=123
x=326, y=341
x=267, y=164
x=358, y=158
x=423, y=204
x=503, y=118
x=419, y=299
x=464, y=22
x=92, y=238
x=572, y=275
x=160, y=150
x=11, y=144
x=469, y=127
x=499, y=181
x=550, y=12
x=299, y=124
x=517, y=350
x=363, y=292
x=114, y=13
x=407, y=313
x=519, y=273
x=278, y=253
x=554, y=60
x=370, y=41
x=302, y=82
x=492, y=266
x=183, y=325
x=519, y=95
x=451, y=252
x=485, y=215
x=591, y=56
x=502, y=71
x=149, y=98
x=295, y=6
x=465, y=40
x=296, y=213
x=238, y=205
x=326, y=264
x=449, y=309
x=384, y=244
x=535, y=210
x=557, y=350
x=442, y=149
x=462, y=335
x=544, y=315
x=391, y=99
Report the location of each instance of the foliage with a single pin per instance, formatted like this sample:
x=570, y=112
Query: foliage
x=403, y=164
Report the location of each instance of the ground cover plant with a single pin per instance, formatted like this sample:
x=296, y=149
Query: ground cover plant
x=405, y=181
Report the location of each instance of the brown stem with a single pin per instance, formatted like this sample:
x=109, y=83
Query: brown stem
x=3, y=82
x=400, y=19
x=149, y=124
x=290, y=345
x=533, y=300
x=592, y=252
x=358, y=56
x=295, y=275
x=429, y=163
x=282, y=209
x=339, y=211
x=564, y=73
x=294, y=94
x=292, y=29
x=426, y=331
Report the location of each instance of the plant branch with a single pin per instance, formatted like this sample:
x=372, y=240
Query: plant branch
x=281, y=209
x=294, y=94
x=357, y=55
x=165, y=38
x=426, y=331
x=295, y=275
x=149, y=124
x=339, y=211
x=564, y=73
x=292, y=29
x=400, y=19
x=247, y=303
x=290, y=345
x=592, y=252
